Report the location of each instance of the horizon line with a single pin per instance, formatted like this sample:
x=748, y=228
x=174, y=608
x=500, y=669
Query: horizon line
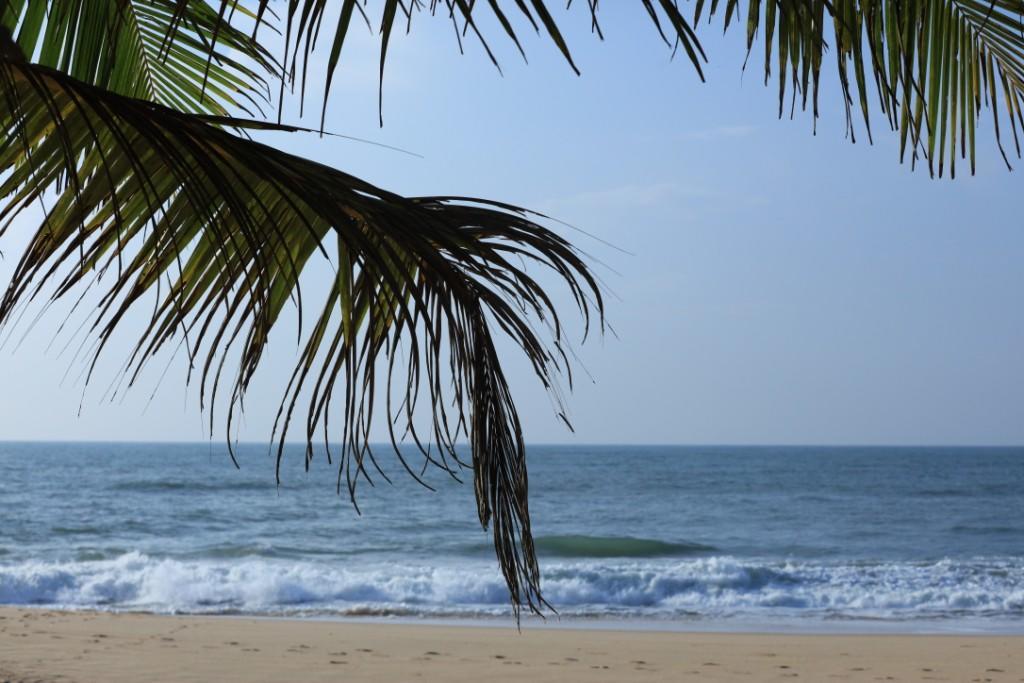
x=621, y=444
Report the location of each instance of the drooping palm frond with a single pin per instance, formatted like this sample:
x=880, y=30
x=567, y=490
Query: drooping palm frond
x=219, y=229
x=186, y=55
x=929, y=66
x=122, y=109
x=304, y=22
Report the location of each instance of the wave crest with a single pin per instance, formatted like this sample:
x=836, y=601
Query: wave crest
x=706, y=586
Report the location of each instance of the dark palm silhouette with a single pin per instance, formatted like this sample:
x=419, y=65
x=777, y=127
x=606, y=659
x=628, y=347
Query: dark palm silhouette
x=129, y=120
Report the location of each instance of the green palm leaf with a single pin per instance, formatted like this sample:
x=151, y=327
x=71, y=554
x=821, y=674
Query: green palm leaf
x=219, y=228
x=185, y=55
x=929, y=65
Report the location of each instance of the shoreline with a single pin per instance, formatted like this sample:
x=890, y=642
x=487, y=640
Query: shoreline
x=47, y=645
x=742, y=625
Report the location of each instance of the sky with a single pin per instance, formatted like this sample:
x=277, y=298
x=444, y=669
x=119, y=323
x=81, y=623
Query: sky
x=768, y=285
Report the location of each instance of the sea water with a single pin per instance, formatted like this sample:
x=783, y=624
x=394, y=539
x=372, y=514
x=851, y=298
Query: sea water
x=811, y=537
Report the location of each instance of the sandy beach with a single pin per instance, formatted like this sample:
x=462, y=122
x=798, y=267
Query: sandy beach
x=81, y=647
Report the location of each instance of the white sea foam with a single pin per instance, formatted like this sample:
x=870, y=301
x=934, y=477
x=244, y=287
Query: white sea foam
x=711, y=586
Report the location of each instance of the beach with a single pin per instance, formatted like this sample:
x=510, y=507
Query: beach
x=96, y=647
x=160, y=562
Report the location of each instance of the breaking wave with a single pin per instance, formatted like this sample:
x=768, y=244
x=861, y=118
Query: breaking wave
x=683, y=587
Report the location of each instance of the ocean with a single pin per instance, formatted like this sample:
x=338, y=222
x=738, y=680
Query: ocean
x=808, y=538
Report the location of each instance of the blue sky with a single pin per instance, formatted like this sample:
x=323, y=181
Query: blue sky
x=779, y=286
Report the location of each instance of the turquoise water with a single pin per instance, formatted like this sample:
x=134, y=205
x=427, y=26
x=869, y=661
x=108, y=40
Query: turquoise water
x=729, y=535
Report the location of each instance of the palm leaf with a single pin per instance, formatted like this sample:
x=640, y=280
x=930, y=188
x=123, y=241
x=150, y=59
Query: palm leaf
x=181, y=54
x=929, y=66
x=125, y=115
x=304, y=20
x=219, y=229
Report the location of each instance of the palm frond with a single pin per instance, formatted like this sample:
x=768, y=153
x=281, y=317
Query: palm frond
x=929, y=66
x=219, y=229
x=304, y=21
x=185, y=55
